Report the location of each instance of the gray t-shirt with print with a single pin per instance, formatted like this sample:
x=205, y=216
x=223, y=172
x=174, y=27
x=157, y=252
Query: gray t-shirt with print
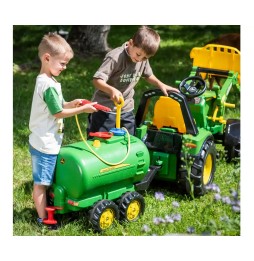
x=119, y=71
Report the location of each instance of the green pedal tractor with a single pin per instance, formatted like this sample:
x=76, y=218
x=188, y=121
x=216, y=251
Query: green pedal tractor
x=105, y=173
x=185, y=127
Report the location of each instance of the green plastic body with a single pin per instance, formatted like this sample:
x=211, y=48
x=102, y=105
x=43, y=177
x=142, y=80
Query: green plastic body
x=212, y=99
x=81, y=178
x=170, y=148
x=170, y=159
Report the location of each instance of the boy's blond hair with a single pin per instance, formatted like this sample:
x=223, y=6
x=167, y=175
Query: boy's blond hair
x=147, y=39
x=54, y=44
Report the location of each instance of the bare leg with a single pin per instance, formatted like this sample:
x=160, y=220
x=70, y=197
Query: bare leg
x=39, y=197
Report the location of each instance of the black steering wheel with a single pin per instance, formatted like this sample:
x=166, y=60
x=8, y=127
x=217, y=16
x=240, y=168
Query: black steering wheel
x=192, y=86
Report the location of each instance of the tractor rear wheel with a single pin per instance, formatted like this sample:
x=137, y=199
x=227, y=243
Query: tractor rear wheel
x=103, y=215
x=202, y=170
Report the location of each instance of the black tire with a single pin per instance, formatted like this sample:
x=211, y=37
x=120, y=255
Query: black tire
x=103, y=214
x=229, y=153
x=231, y=140
x=202, y=170
x=232, y=152
x=131, y=206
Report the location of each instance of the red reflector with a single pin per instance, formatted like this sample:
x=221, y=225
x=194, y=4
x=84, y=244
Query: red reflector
x=73, y=203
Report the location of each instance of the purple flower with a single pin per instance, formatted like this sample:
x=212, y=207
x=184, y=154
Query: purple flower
x=215, y=188
x=177, y=217
x=146, y=228
x=237, y=203
x=226, y=200
x=159, y=196
x=158, y=220
x=190, y=230
x=236, y=208
x=169, y=219
x=175, y=204
x=217, y=197
x=234, y=193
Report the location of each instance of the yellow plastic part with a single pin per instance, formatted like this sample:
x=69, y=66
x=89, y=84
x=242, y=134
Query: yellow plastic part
x=229, y=105
x=96, y=143
x=107, y=218
x=118, y=112
x=168, y=113
x=133, y=210
x=207, y=169
x=215, y=118
x=217, y=56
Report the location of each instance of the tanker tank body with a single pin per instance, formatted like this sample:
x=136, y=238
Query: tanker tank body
x=82, y=179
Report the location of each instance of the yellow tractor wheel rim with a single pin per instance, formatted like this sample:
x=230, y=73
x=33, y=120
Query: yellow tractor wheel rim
x=207, y=169
x=107, y=218
x=133, y=210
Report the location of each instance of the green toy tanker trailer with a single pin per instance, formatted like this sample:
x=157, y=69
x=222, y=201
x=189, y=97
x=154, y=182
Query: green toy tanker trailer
x=102, y=175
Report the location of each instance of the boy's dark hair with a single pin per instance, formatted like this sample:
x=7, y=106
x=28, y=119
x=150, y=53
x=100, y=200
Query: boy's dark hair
x=147, y=39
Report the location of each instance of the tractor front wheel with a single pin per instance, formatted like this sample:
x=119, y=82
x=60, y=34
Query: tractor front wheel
x=202, y=170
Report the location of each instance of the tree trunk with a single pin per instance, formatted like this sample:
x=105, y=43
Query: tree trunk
x=89, y=40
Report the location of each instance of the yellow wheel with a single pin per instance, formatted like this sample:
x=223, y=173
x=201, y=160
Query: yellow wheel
x=207, y=169
x=103, y=214
x=133, y=210
x=107, y=219
x=131, y=206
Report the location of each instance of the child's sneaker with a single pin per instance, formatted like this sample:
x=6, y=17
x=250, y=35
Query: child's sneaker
x=40, y=221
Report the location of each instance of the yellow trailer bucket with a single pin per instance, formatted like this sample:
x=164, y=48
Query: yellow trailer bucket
x=217, y=56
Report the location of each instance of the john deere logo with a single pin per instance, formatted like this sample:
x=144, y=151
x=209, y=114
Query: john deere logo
x=62, y=161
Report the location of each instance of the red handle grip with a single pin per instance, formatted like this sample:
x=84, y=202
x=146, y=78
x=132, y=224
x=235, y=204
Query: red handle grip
x=104, y=135
x=97, y=106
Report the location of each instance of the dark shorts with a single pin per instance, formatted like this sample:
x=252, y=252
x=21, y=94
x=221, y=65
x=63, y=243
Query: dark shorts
x=103, y=122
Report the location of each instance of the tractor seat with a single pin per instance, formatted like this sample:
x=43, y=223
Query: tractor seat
x=168, y=113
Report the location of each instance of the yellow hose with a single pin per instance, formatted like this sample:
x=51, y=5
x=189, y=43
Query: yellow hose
x=106, y=162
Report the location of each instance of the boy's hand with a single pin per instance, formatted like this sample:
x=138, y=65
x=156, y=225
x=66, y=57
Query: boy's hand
x=116, y=95
x=76, y=103
x=165, y=88
x=89, y=107
x=98, y=107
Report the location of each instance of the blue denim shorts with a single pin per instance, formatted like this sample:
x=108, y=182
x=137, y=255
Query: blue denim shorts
x=43, y=166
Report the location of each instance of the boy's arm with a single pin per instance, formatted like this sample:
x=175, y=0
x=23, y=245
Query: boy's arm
x=159, y=84
x=68, y=109
x=113, y=93
x=65, y=113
